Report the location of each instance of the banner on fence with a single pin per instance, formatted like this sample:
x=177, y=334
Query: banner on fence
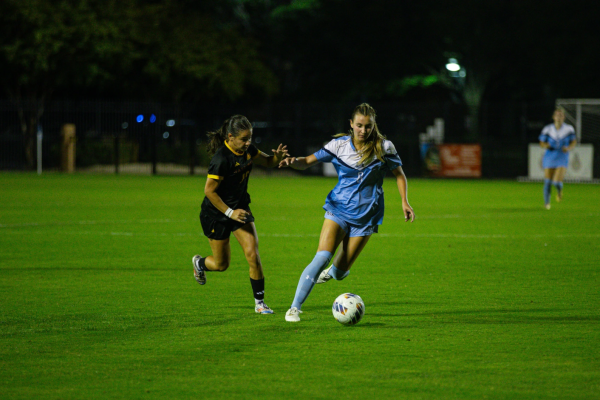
x=452, y=160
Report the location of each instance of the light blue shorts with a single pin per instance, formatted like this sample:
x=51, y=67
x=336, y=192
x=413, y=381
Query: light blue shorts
x=351, y=229
x=555, y=159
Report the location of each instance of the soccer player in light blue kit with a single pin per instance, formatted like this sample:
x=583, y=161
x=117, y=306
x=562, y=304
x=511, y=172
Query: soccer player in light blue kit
x=558, y=139
x=354, y=208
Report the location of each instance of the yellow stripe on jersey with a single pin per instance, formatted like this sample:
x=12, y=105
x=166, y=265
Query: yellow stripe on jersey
x=216, y=177
x=232, y=150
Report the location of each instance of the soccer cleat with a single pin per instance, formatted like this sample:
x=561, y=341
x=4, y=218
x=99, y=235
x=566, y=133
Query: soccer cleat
x=559, y=196
x=293, y=315
x=198, y=273
x=547, y=206
x=262, y=308
x=324, y=276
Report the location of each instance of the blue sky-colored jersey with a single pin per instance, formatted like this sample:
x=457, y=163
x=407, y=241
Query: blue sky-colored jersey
x=558, y=138
x=358, y=196
x=554, y=157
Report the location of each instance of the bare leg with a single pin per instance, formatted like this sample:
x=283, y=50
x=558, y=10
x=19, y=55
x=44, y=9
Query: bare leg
x=248, y=239
x=221, y=257
x=557, y=181
x=351, y=249
x=331, y=236
x=548, y=174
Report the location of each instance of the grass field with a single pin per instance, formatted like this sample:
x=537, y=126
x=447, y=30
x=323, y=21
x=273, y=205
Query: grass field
x=486, y=295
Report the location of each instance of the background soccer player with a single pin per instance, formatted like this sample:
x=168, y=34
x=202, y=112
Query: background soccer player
x=558, y=139
x=354, y=208
x=226, y=209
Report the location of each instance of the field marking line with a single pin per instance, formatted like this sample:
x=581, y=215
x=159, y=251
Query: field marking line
x=314, y=235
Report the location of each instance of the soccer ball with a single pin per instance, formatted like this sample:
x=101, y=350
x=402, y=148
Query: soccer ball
x=348, y=308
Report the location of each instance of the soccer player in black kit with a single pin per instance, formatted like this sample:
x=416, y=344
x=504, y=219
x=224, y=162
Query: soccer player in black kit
x=226, y=207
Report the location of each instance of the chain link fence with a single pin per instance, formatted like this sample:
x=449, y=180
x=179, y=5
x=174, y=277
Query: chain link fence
x=157, y=138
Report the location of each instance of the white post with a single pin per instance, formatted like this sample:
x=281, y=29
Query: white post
x=439, y=130
x=39, y=149
x=578, y=121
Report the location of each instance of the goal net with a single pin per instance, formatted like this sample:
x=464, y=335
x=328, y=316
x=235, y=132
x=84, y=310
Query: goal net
x=584, y=115
x=584, y=160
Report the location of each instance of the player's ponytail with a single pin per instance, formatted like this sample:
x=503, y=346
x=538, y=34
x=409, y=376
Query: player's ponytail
x=233, y=125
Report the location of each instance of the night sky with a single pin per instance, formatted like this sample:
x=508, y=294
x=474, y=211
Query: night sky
x=249, y=51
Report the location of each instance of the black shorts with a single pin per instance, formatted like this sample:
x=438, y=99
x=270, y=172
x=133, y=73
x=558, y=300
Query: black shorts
x=220, y=230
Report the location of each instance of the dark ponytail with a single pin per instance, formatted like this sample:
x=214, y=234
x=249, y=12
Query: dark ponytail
x=234, y=125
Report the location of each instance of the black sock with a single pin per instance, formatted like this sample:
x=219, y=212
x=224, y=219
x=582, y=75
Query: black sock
x=202, y=264
x=258, y=287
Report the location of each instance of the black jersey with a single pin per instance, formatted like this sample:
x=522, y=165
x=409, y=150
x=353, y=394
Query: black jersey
x=232, y=169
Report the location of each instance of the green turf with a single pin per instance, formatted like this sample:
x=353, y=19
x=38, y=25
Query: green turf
x=485, y=295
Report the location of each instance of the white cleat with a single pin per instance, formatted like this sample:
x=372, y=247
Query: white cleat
x=293, y=315
x=547, y=206
x=324, y=276
x=262, y=308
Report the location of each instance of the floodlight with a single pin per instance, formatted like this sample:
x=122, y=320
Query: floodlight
x=452, y=65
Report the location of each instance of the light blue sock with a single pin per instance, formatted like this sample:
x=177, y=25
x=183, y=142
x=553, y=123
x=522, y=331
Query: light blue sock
x=337, y=274
x=309, y=277
x=558, y=186
x=547, y=189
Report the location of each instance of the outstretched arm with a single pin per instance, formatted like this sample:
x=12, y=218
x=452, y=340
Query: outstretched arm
x=299, y=163
x=271, y=161
x=409, y=214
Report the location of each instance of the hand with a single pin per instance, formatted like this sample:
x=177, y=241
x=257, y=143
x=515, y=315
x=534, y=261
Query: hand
x=281, y=152
x=240, y=215
x=409, y=214
x=565, y=149
x=287, y=162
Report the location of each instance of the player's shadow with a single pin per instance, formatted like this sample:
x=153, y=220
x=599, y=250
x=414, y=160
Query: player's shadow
x=367, y=325
x=395, y=303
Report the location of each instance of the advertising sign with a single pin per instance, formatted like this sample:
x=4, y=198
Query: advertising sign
x=455, y=160
x=581, y=162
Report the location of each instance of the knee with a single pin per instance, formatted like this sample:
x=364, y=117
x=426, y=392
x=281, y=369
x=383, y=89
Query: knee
x=252, y=256
x=338, y=274
x=221, y=265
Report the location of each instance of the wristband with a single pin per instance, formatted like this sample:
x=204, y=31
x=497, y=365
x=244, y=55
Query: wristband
x=229, y=212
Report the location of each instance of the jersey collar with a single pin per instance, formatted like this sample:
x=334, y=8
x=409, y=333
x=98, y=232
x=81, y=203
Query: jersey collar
x=233, y=151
